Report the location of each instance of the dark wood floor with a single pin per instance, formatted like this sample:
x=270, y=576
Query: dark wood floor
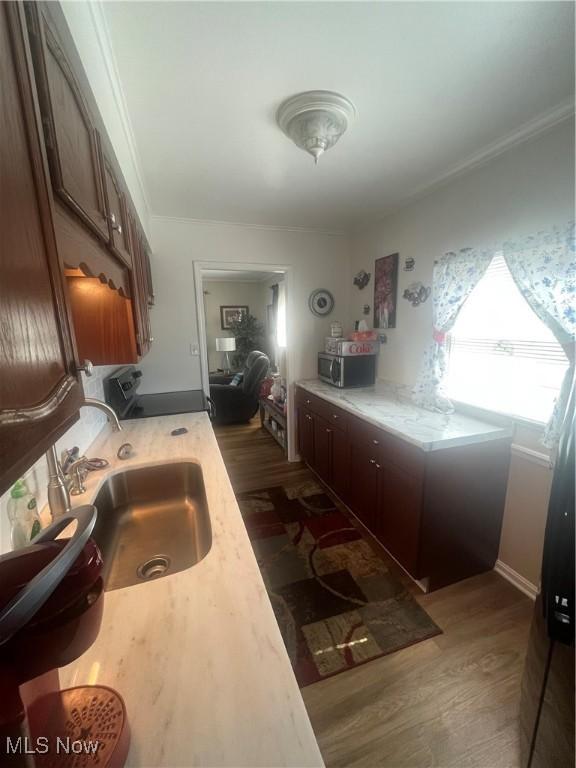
x=450, y=701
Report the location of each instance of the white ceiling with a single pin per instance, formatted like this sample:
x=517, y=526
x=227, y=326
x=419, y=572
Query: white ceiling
x=433, y=82
x=237, y=275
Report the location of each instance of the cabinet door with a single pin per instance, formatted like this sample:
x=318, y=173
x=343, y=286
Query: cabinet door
x=397, y=524
x=148, y=272
x=40, y=394
x=364, y=482
x=139, y=293
x=70, y=137
x=116, y=207
x=341, y=464
x=323, y=449
x=306, y=435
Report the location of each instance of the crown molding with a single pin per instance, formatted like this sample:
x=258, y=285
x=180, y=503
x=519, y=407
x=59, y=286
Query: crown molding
x=530, y=130
x=104, y=41
x=246, y=225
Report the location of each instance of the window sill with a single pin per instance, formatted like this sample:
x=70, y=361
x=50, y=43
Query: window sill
x=498, y=417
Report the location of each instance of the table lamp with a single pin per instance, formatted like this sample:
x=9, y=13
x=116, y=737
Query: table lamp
x=226, y=344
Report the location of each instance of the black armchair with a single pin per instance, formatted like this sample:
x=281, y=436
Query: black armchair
x=226, y=378
x=237, y=404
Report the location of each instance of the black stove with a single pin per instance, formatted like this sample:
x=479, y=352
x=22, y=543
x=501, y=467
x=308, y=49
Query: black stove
x=121, y=392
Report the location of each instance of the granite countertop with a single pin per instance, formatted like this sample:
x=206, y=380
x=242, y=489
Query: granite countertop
x=386, y=406
x=197, y=655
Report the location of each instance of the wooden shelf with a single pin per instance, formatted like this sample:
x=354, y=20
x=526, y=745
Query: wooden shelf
x=271, y=413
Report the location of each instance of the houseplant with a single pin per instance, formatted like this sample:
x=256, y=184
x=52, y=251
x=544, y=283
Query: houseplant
x=249, y=334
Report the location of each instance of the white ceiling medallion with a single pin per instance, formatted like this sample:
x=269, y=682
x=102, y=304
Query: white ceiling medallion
x=315, y=120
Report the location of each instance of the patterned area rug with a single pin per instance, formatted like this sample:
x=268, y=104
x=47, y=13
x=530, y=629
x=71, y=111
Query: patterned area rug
x=336, y=603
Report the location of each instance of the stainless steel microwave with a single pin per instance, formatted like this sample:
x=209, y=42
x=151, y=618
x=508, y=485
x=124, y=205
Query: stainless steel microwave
x=347, y=371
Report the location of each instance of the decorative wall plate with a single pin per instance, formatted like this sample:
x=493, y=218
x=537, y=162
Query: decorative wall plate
x=416, y=293
x=362, y=279
x=321, y=302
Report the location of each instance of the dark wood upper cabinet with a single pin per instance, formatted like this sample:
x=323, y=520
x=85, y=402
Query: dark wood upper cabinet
x=40, y=393
x=148, y=270
x=70, y=136
x=139, y=289
x=117, y=214
x=107, y=270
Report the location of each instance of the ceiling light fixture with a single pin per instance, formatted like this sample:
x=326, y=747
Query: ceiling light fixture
x=315, y=120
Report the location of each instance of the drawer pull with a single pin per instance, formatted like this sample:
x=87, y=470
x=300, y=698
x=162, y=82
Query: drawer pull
x=376, y=442
x=377, y=466
x=335, y=416
x=307, y=402
x=329, y=431
x=372, y=461
x=309, y=417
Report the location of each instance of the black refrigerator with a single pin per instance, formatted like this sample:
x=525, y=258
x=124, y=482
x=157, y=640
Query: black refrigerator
x=547, y=702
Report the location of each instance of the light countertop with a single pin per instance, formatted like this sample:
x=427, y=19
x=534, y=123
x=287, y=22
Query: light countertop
x=385, y=406
x=197, y=655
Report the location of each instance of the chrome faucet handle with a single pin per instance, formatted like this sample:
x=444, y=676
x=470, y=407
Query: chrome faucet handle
x=77, y=473
x=68, y=457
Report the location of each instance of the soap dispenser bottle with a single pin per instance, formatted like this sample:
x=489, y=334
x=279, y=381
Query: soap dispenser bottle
x=23, y=515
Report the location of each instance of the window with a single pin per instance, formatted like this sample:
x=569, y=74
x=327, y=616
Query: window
x=501, y=356
x=281, y=319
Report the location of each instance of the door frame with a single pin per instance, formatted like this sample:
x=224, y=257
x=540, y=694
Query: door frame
x=199, y=267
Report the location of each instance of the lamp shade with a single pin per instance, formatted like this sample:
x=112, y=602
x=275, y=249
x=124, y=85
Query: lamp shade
x=226, y=344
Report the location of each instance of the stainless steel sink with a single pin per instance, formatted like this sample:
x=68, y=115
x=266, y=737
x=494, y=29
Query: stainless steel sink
x=152, y=522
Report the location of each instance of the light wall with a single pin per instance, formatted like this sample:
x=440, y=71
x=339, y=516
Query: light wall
x=219, y=293
x=315, y=260
x=528, y=188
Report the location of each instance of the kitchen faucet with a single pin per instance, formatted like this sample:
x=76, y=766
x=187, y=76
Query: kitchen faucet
x=62, y=475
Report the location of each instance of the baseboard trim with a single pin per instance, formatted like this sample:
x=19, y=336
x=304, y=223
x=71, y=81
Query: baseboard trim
x=516, y=579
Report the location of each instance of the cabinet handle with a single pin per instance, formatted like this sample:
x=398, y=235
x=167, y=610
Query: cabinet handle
x=377, y=466
x=116, y=227
x=376, y=442
x=372, y=461
x=87, y=368
x=329, y=431
x=309, y=417
x=307, y=402
x=150, y=339
x=335, y=416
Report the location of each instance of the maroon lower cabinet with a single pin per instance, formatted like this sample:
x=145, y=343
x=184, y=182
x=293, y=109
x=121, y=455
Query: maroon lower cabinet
x=463, y=504
x=438, y=513
x=340, y=461
x=363, y=495
x=400, y=517
x=323, y=449
x=306, y=435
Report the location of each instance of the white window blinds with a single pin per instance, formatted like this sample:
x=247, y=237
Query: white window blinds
x=501, y=355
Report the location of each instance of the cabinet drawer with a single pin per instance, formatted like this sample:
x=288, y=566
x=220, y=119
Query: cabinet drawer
x=363, y=432
x=391, y=449
x=404, y=456
x=335, y=416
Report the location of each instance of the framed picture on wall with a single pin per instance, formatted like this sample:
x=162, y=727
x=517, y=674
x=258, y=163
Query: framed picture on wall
x=385, y=291
x=230, y=313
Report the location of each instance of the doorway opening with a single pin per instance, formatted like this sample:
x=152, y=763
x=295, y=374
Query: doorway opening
x=243, y=319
